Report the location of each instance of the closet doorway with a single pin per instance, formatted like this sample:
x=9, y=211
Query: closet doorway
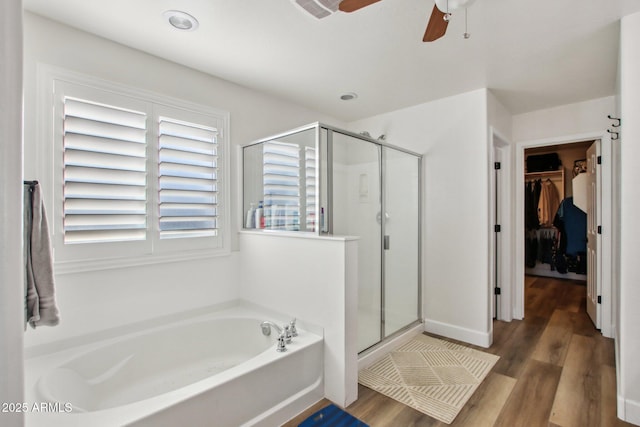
x=564, y=231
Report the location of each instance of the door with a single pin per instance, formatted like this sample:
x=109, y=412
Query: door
x=376, y=196
x=401, y=231
x=356, y=204
x=593, y=237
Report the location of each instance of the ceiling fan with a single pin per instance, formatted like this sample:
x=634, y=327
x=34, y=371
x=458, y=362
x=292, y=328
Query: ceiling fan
x=438, y=21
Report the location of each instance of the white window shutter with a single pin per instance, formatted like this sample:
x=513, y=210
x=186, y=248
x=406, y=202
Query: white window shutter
x=138, y=177
x=104, y=172
x=187, y=179
x=310, y=188
x=281, y=183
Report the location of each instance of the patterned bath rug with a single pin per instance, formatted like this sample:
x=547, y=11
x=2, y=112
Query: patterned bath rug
x=433, y=376
x=332, y=416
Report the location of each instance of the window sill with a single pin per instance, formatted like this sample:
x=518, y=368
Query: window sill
x=297, y=234
x=81, y=266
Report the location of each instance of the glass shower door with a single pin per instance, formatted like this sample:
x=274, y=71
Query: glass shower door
x=401, y=228
x=375, y=195
x=356, y=204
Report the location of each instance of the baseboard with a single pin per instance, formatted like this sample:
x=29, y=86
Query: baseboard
x=471, y=336
x=631, y=412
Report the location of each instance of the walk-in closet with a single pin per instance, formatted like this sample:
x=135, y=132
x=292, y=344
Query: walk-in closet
x=556, y=189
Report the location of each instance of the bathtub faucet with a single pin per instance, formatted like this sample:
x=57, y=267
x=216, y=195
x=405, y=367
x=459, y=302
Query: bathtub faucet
x=266, y=327
x=284, y=336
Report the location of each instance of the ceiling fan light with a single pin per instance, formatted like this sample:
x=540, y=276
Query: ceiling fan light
x=453, y=4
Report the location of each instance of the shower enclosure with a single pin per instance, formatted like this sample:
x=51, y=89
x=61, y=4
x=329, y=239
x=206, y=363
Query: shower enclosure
x=327, y=181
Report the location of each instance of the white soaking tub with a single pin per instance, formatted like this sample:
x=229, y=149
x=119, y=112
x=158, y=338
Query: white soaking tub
x=214, y=370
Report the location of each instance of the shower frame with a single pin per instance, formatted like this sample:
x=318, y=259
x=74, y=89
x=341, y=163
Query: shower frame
x=325, y=178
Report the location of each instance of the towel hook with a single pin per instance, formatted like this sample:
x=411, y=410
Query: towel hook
x=615, y=125
x=31, y=184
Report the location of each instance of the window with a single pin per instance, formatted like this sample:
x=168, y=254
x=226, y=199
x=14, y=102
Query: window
x=136, y=175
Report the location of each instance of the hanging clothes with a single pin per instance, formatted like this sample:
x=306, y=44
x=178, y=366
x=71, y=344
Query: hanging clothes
x=571, y=221
x=531, y=200
x=547, y=241
x=548, y=203
x=530, y=248
x=532, y=224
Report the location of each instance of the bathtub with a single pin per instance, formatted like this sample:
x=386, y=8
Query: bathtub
x=213, y=370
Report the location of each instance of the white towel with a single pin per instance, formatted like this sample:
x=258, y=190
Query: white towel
x=40, y=298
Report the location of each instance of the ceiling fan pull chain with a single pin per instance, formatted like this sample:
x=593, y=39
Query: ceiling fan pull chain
x=447, y=15
x=466, y=32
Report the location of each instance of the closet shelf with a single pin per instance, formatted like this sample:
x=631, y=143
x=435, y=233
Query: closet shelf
x=545, y=174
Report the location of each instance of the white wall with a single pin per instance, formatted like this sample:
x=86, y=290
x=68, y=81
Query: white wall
x=11, y=272
x=92, y=301
x=563, y=124
x=629, y=291
x=313, y=279
x=591, y=117
x=452, y=134
x=498, y=117
x=572, y=119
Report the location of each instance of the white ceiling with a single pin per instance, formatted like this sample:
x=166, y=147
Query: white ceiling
x=532, y=53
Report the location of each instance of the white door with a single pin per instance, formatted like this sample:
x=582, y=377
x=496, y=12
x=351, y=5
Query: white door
x=593, y=237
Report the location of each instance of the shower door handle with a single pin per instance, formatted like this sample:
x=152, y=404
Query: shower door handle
x=379, y=217
x=386, y=242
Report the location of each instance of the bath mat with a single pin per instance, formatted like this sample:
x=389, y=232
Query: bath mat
x=433, y=376
x=332, y=416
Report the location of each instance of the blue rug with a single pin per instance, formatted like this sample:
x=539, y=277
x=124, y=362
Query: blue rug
x=332, y=416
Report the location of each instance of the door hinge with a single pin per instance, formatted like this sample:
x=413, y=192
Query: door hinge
x=496, y=228
x=599, y=299
x=497, y=165
x=599, y=229
x=599, y=160
x=497, y=291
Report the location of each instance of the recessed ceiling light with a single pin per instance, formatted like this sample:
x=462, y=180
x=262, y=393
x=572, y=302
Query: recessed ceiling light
x=348, y=96
x=181, y=20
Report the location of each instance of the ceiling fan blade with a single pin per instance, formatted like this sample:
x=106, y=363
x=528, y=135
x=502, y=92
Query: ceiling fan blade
x=436, y=27
x=353, y=5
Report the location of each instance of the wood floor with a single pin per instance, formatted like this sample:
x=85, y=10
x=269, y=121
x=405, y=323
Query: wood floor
x=555, y=369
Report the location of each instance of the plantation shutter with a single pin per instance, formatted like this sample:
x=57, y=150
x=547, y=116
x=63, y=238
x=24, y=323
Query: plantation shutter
x=310, y=187
x=188, y=181
x=281, y=181
x=104, y=172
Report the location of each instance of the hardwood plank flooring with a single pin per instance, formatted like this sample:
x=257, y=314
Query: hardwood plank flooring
x=530, y=402
x=555, y=369
x=554, y=342
x=578, y=395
